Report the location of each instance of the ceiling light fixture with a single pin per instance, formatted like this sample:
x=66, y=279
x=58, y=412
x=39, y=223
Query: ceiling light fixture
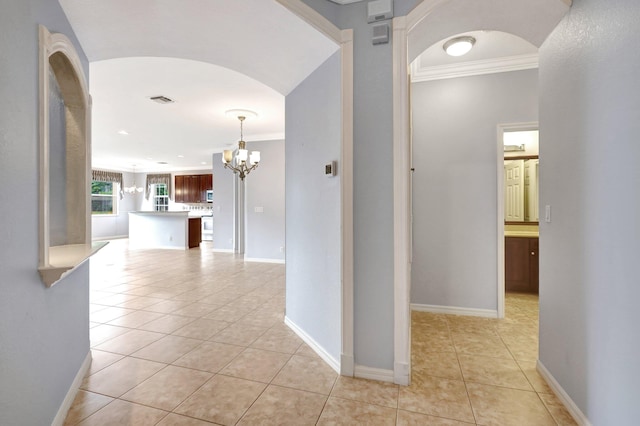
x=133, y=189
x=459, y=46
x=243, y=162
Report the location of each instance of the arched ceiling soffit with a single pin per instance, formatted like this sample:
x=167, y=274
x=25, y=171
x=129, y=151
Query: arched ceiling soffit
x=438, y=19
x=258, y=38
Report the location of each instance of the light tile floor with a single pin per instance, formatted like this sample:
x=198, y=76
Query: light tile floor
x=197, y=338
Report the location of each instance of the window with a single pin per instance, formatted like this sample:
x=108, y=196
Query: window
x=104, y=197
x=160, y=197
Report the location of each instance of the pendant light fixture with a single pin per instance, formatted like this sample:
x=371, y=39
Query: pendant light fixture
x=243, y=162
x=133, y=189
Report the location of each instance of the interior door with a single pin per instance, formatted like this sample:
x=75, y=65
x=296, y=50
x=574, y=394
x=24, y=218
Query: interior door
x=514, y=191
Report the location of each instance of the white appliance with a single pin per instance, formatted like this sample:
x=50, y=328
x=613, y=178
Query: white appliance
x=207, y=228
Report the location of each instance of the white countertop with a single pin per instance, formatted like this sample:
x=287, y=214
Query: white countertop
x=183, y=214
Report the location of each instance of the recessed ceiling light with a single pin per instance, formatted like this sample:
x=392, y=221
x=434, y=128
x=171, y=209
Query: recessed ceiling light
x=235, y=113
x=180, y=156
x=204, y=162
x=162, y=162
x=459, y=46
x=123, y=132
x=162, y=99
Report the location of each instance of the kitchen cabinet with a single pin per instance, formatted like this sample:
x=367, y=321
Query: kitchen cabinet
x=521, y=264
x=195, y=232
x=192, y=188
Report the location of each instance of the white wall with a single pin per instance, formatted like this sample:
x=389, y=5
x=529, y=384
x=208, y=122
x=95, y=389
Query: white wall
x=589, y=292
x=313, y=135
x=223, y=205
x=264, y=189
x=454, y=184
x=44, y=333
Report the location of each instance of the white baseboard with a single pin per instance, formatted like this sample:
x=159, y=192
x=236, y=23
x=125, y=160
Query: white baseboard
x=114, y=237
x=71, y=394
x=371, y=373
x=257, y=259
x=215, y=250
x=571, y=406
x=347, y=364
x=401, y=374
x=454, y=310
x=333, y=363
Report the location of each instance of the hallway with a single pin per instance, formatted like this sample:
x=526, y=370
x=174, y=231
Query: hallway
x=197, y=338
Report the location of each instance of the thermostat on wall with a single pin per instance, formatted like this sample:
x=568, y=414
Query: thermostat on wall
x=330, y=169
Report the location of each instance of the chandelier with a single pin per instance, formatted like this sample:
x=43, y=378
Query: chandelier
x=133, y=189
x=243, y=162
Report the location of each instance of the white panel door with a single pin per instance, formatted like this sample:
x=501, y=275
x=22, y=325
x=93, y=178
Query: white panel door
x=514, y=191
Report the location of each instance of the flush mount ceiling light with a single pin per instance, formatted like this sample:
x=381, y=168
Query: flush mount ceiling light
x=243, y=162
x=459, y=46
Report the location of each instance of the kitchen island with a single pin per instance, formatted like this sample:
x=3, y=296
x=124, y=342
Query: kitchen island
x=164, y=230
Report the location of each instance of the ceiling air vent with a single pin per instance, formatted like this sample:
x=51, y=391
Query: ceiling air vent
x=162, y=99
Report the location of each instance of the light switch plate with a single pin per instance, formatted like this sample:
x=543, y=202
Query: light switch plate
x=547, y=213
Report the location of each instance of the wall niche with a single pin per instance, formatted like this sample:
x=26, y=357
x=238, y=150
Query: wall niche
x=65, y=159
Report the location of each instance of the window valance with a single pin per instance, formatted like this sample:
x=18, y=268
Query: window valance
x=105, y=176
x=153, y=179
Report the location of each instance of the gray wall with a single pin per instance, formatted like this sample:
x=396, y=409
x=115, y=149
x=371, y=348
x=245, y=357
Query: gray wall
x=223, y=205
x=589, y=127
x=265, y=188
x=103, y=227
x=44, y=333
x=313, y=129
x=455, y=186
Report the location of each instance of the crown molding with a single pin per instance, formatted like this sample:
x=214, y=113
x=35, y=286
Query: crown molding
x=467, y=69
x=344, y=1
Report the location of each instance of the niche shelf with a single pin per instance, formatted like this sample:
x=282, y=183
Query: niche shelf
x=71, y=172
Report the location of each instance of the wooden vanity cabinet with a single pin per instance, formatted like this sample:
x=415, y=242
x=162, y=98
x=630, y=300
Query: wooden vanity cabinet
x=521, y=264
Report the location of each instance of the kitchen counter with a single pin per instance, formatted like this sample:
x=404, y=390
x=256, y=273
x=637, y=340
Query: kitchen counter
x=164, y=230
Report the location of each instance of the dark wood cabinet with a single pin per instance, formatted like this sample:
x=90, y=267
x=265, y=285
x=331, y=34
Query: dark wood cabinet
x=192, y=188
x=521, y=264
x=195, y=232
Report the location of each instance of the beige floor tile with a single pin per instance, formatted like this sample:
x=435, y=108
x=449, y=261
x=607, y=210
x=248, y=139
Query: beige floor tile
x=339, y=411
x=277, y=340
x=168, y=349
x=201, y=328
x=139, y=302
x=167, y=324
x=439, y=364
x=135, y=319
x=239, y=334
x=168, y=388
x=210, y=356
x=493, y=371
x=484, y=345
x=498, y=406
x=369, y=391
x=129, y=342
x=308, y=374
x=437, y=397
x=558, y=410
x=529, y=369
x=432, y=342
x=122, y=413
x=227, y=313
x=222, y=400
x=196, y=310
x=101, y=359
x=262, y=318
x=305, y=350
x=121, y=376
x=104, y=332
x=178, y=420
x=84, y=405
x=256, y=364
x=168, y=306
x=108, y=314
x=407, y=418
x=283, y=406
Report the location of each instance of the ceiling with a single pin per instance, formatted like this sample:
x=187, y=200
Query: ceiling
x=208, y=56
